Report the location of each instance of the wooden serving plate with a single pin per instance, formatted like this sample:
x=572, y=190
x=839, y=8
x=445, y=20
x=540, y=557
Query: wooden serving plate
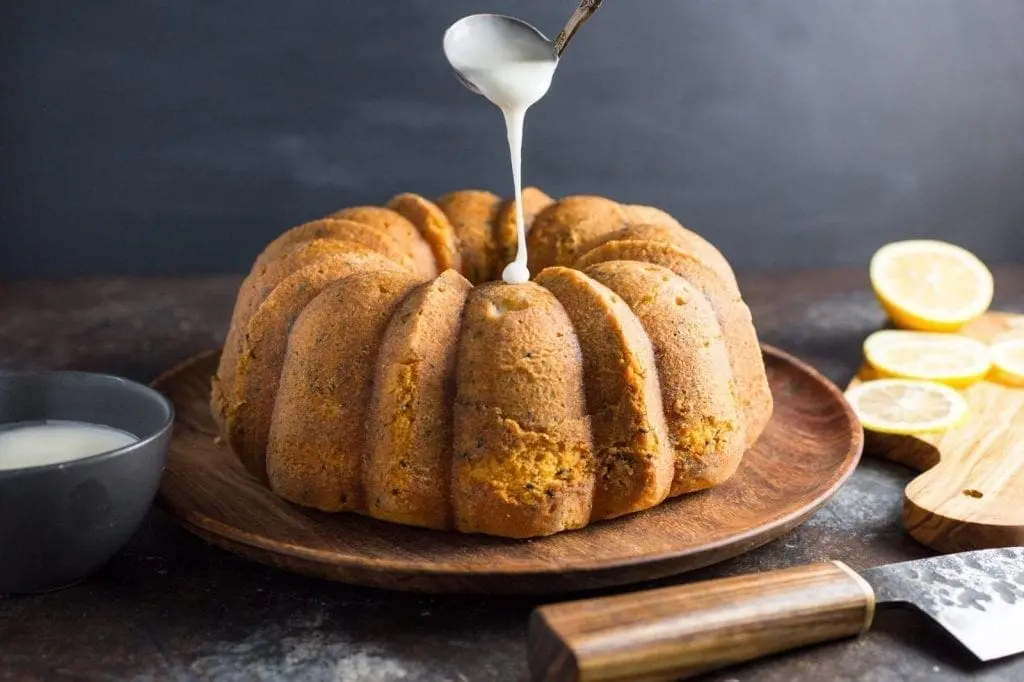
x=810, y=447
x=971, y=494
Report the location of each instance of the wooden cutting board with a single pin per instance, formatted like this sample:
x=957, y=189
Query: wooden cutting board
x=971, y=494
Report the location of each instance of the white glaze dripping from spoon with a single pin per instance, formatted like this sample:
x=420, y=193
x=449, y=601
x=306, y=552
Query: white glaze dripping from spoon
x=510, y=63
x=517, y=272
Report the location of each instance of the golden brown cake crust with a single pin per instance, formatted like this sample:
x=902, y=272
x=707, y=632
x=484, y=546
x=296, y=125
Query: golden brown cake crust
x=638, y=214
x=409, y=423
x=263, y=353
x=433, y=225
x=635, y=464
x=255, y=289
x=562, y=231
x=373, y=238
x=732, y=313
x=677, y=236
x=505, y=238
x=472, y=213
x=523, y=459
x=697, y=386
x=395, y=224
x=317, y=440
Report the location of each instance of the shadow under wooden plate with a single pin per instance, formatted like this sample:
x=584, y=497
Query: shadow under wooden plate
x=810, y=447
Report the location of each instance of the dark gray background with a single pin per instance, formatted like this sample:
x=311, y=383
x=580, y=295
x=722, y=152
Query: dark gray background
x=175, y=135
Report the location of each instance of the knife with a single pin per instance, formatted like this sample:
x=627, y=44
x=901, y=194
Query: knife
x=677, y=632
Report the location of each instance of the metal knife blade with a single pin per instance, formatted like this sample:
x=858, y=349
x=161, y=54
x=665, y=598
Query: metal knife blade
x=978, y=597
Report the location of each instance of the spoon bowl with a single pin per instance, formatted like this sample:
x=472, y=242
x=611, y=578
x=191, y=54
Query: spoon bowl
x=489, y=24
x=503, y=24
x=469, y=86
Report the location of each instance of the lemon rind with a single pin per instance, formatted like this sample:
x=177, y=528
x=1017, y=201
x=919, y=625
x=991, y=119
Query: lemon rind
x=1003, y=372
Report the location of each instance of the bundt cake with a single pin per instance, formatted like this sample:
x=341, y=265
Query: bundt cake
x=373, y=365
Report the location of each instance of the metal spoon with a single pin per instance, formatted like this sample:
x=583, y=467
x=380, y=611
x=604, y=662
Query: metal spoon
x=583, y=12
x=495, y=22
x=579, y=17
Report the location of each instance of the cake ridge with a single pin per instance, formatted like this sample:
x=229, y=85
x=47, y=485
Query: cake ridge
x=501, y=434
x=420, y=399
x=397, y=226
x=320, y=414
x=433, y=226
x=730, y=310
x=472, y=214
x=266, y=346
x=698, y=394
x=636, y=450
x=340, y=229
x=256, y=288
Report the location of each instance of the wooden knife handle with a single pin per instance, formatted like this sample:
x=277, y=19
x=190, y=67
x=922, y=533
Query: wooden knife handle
x=676, y=632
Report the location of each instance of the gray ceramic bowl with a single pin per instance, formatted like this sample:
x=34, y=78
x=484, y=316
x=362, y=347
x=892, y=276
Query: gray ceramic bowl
x=60, y=522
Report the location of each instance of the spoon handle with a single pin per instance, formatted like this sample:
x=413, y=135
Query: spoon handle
x=578, y=18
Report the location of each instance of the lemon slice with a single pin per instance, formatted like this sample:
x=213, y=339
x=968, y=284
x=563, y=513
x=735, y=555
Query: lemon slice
x=950, y=359
x=1014, y=329
x=1008, y=362
x=930, y=285
x=907, y=406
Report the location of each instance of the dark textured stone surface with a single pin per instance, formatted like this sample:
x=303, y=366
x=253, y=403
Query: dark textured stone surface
x=170, y=607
